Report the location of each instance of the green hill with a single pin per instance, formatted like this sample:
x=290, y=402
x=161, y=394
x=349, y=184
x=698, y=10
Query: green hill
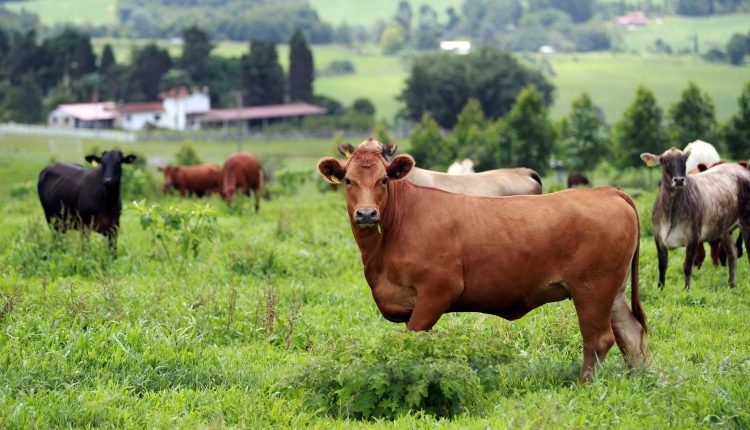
x=51, y=12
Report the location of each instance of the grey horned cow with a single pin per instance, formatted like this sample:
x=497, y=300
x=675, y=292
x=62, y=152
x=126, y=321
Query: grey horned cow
x=691, y=209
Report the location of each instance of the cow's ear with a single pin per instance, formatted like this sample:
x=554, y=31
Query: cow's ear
x=93, y=159
x=400, y=167
x=389, y=149
x=128, y=159
x=346, y=149
x=331, y=169
x=702, y=167
x=650, y=159
x=744, y=164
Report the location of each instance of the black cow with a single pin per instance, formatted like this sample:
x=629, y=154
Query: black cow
x=85, y=199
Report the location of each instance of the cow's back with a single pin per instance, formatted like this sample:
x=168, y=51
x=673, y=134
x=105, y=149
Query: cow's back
x=59, y=186
x=199, y=178
x=498, y=182
x=241, y=170
x=720, y=189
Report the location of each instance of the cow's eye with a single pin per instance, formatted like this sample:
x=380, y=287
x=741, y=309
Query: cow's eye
x=384, y=181
x=347, y=181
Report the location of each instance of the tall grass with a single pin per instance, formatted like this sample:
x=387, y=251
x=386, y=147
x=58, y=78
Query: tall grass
x=262, y=328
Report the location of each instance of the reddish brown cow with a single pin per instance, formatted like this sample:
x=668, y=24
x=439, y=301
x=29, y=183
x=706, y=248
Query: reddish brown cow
x=200, y=180
x=427, y=252
x=242, y=171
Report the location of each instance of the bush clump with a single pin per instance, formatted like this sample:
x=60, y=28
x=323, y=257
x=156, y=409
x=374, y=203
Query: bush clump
x=437, y=373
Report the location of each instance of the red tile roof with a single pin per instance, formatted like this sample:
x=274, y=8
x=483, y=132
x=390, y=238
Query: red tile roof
x=141, y=107
x=263, y=112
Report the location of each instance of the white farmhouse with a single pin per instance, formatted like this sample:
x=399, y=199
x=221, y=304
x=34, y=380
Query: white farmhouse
x=179, y=109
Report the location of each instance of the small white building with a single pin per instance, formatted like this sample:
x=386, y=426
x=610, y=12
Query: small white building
x=179, y=109
x=459, y=47
x=83, y=115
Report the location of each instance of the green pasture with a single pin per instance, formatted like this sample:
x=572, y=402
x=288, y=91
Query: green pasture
x=52, y=12
x=366, y=13
x=611, y=79
x=679, y=32
x=271, y=324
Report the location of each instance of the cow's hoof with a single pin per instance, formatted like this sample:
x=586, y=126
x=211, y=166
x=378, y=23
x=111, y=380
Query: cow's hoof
x=731, y=285
x=687, y=287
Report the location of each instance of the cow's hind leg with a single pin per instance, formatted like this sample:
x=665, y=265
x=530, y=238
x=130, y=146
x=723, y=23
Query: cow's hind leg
x=629, y=333
x=731, y=251
x=594, y=318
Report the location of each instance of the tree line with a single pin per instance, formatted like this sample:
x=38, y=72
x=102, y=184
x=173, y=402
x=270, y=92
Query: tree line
x=36, y=76
x=519, y=132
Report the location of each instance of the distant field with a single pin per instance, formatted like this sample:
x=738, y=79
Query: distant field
x=611, y=80
x=51, y=12
x=679, y=32
x=364, y=12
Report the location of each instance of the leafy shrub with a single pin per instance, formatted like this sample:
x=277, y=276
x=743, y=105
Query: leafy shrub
x=339, y=67
x=22, y=189
x=286, y=182
x=187, y=156
x=439, y=373
x=178, y=232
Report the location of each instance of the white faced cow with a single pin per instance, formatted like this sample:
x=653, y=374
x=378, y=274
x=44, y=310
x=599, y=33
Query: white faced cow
x=691, y=209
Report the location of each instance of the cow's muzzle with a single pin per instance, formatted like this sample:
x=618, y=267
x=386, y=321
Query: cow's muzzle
x=678, y=182
x=110, y=181
x=366, y=217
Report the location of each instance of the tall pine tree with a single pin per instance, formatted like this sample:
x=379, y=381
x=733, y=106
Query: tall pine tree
x=640, y=130
x=108, y=59
x=301, y=69
x=583, y=135
x=196, y=54
x=261, y=75
x=692, y=117
x=737, y=133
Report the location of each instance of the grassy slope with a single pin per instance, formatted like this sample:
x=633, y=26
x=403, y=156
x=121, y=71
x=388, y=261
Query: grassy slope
x=366, y=12
x=678, y=32
x=611, y=80
x=51, y=12
x=134, y=343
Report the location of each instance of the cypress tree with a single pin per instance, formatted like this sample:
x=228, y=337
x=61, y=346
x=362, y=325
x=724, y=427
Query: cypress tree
x=692, y=117
x=261, y=75
x=301, y=69
x=640, y=130
x=108, y=59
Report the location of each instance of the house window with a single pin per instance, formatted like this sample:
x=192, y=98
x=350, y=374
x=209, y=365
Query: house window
x=157, y=117
x=130, y=117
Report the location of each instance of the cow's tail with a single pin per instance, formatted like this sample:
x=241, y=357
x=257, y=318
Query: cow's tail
x=635, y=297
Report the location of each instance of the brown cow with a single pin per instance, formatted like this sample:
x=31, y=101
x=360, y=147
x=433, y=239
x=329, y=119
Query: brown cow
x=427, y=252
x=576, y=179
x=497, y=182
x=200, y=180
x=691, y=209
x=242, y=171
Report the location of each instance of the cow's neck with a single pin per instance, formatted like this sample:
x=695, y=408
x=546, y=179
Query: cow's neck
x=110, y=195
x=371, y=240
x=675, y=203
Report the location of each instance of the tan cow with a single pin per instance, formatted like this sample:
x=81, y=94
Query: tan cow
x=498, y=182
x=435, y=252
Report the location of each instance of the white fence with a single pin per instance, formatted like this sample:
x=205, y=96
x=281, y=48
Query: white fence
x=79, y=133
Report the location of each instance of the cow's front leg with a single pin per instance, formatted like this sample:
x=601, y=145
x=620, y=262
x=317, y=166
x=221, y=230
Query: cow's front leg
x=690, y=252
x=663, y=255
x=429, y=307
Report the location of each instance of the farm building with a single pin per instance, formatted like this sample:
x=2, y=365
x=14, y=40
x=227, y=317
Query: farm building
x=260, y=116
x=83, y=115
x=179, y=109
